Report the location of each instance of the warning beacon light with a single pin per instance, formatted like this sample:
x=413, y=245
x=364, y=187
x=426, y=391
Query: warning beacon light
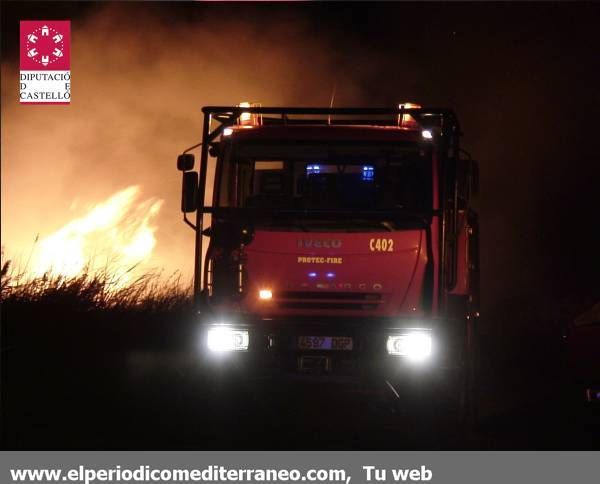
x=368, y=173
x=406, y=120
x=249, y=119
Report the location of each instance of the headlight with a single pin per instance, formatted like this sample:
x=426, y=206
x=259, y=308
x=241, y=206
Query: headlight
x=222, y=339
x=415, y=345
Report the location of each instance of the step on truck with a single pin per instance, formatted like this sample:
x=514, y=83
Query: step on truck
x=336, y=244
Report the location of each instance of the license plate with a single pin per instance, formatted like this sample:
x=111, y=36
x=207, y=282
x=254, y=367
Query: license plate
x=336, y=343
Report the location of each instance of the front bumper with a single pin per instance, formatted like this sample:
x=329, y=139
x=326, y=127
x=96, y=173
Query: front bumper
x=274, y=358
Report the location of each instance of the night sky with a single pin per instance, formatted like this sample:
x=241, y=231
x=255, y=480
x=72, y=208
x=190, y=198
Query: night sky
x=523, y=79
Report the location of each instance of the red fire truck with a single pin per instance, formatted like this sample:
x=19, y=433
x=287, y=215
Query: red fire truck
x=337, y=244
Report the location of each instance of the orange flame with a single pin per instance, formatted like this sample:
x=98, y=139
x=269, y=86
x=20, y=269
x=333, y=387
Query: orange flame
x=115, y=234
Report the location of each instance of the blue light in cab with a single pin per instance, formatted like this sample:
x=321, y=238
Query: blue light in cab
x=311, y=169
x=368, y=173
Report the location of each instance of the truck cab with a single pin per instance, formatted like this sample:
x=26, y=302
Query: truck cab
x=336, y=243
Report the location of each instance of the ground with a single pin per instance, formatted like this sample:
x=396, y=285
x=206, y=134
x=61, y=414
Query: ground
x=131, y=381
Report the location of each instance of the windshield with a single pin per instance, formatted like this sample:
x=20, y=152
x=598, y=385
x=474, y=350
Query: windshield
x=354, y=177
x=361, y=180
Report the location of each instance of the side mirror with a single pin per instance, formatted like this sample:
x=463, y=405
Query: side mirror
x=189, y=192
x=185, y=162
x=474, y=178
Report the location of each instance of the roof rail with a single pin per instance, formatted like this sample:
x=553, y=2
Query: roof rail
x=443, y=118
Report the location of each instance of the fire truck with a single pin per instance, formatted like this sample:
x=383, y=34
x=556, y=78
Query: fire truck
x=338, y=245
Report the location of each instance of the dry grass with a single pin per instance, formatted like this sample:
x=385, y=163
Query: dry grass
x=150, y=292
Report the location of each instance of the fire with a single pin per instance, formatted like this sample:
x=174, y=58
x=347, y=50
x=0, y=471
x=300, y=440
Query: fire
x=116, y=235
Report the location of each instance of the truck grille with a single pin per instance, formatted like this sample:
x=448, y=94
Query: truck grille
x=353, y=301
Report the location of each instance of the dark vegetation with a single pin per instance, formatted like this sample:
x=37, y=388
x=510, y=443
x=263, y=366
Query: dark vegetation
x=91, y=314
x=148, y=293
x=67, y=347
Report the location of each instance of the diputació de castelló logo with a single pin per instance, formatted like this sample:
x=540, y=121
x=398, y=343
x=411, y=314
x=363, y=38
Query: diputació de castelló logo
x=45, y=62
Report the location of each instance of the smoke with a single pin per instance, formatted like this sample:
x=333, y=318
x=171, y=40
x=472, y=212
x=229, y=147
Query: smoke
x=136, y=99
